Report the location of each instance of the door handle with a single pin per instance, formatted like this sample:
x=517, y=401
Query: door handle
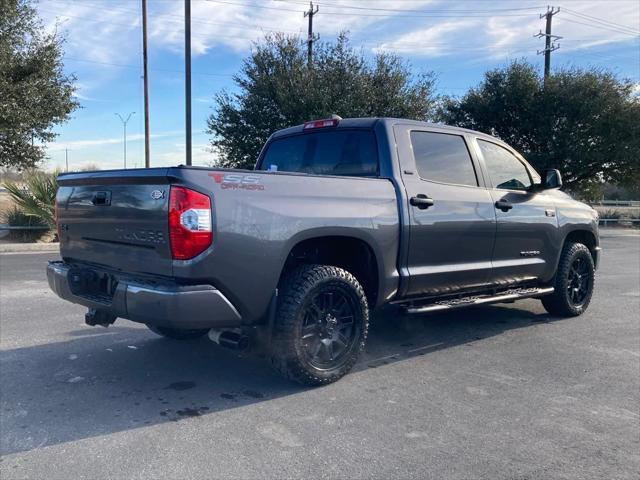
x=421, y=201
x=503, y=205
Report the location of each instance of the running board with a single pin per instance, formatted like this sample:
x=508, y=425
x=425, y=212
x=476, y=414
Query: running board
x=506, y=296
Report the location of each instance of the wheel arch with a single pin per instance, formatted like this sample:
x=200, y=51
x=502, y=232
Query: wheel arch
x=587, y=238
x=352, y=253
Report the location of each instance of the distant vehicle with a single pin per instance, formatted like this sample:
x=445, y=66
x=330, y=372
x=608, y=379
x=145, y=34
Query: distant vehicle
x=338, y=218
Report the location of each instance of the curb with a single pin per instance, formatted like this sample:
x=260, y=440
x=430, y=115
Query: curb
x=29, y=247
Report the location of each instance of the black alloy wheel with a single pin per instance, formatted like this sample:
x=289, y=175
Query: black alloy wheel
x=329, y=330
x=321, y=324
x=578, y=282
x=573, y=283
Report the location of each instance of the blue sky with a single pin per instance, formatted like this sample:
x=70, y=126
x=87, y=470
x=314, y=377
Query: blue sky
x=458, y=40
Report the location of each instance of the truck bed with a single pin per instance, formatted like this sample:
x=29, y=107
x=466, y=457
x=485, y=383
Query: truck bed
x=119, y=220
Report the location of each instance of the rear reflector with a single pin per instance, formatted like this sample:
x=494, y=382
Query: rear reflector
x=189, y=223
x=329, y=122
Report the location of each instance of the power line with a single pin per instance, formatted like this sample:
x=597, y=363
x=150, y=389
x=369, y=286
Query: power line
x=353, y=7
x=601, y=21
x=437, y=15
x=391, y=46
x=129, y=25
x=169, y=17
x=601, y=27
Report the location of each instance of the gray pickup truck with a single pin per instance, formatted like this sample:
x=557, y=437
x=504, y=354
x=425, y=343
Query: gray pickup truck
x=338, y=218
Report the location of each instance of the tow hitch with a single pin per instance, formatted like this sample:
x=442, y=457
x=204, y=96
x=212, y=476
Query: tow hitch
x=95, y=317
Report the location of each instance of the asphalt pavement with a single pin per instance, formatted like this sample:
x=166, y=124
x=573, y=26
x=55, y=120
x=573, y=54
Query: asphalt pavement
x=499, y=392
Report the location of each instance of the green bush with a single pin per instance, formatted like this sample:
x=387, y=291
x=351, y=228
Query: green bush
x=15, y=217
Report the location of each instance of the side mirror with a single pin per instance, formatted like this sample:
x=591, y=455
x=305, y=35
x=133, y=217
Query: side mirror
x=551, y=178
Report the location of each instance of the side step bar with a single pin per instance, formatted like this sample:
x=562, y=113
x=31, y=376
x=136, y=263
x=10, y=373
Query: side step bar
x=506, y=296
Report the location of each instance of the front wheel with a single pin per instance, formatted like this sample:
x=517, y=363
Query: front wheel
x=573, y=282
x=321, y=324
x=178, y=334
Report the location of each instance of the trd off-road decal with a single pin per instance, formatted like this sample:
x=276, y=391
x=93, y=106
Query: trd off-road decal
x=237, y=181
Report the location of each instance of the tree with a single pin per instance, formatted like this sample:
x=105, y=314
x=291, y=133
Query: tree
x=584, y=122
x=35, y=94
x=277, y=89
x=37, y=197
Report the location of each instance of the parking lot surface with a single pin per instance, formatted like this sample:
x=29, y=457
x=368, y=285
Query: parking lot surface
x=499, y=392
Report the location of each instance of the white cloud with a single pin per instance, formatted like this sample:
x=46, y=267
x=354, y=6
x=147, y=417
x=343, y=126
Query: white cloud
x=97, y=32
x=107, y=152
x=113, y=35
x=234, y=24
x=200, y=155
x=83, y=144
x=512, y=33
x=429, y=41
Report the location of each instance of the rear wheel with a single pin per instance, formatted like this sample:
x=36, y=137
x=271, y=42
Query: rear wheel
x=573, y=282
x=177, y=333
x=321, y=324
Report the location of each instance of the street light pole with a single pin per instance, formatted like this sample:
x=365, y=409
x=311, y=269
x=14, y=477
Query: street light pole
x=124, y=125
x=146, y=84
x=187, y=77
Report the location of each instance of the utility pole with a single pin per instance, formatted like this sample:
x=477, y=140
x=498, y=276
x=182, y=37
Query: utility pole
x=187, y=76
x=66, y=158
x=549, y=46
x=124, y=126
x=310, y=38
x=147, y=163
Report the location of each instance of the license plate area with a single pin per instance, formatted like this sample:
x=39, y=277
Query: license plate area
x=92, y=284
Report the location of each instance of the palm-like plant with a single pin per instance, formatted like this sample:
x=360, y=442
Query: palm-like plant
x=37, y=197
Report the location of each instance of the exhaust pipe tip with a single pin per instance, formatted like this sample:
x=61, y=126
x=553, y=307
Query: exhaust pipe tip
x=231, y=339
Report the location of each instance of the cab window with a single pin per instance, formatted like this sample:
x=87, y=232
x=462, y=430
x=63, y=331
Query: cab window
x=442, y=157
x=335, y=152
x=505, y=170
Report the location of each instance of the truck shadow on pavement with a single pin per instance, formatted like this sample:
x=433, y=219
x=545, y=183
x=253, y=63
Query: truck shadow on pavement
x=104, y=381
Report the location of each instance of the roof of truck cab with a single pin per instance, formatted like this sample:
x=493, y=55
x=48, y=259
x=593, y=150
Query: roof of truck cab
x=370, y=122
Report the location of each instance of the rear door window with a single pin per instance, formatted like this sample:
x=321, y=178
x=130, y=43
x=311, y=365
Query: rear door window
x=337, y=152
x=443, y=157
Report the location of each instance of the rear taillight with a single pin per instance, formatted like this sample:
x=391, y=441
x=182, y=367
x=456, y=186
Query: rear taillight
x=189, y=223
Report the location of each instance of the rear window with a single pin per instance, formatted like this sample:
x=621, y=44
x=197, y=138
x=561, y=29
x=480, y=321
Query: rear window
x=443, y=158
x=337, y=152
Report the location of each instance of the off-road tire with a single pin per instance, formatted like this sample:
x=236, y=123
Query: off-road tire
x=177, y=333
x=559, y=302
x=296, y=291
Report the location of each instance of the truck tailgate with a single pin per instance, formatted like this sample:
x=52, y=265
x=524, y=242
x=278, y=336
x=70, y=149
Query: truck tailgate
x=117, y=219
